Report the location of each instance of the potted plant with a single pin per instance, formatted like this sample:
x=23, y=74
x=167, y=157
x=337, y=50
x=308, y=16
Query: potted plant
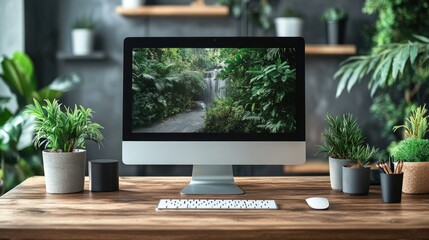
x=290, y=24
x=335, y=25
x=414, y=151
x=1, y=181
x=83, y=36
x=356, y=176
x=63, y=132
x=341, y=137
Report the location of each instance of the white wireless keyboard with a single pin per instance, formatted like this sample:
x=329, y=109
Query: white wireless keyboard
x=215, y=204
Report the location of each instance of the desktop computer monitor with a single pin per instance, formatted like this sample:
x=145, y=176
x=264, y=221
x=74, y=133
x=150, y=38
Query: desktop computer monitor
x=213, y=102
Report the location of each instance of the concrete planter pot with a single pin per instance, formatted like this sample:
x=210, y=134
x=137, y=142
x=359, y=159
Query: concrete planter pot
x=416, y=177
x=82, y=41
x=64, y=172
x=336, y=172
x=289, y=26
x=356, y=180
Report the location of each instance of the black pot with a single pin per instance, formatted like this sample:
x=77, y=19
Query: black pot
x=335, y=32
x=391, y=187
x=356, y=180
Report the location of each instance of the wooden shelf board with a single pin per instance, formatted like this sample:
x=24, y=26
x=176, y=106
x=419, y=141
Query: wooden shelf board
x=311, y=166
x=174, y=10
x=320, y=49
x=92, y=56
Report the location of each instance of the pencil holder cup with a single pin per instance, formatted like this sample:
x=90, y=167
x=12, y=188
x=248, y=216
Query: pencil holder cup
x=391, y=187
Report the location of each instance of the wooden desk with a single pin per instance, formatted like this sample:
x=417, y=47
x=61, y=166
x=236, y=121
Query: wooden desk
x=27, y=212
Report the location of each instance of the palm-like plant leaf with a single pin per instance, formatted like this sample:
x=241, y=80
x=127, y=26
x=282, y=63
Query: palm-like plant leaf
x=387, y=64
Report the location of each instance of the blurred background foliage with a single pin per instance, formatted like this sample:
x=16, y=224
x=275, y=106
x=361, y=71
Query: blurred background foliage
x=19, y=159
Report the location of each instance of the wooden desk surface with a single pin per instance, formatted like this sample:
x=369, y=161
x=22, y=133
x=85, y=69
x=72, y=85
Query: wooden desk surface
x=27, y=212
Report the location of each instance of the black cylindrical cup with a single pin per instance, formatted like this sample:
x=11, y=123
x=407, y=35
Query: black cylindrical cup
x=391, y=187
x=103, y=175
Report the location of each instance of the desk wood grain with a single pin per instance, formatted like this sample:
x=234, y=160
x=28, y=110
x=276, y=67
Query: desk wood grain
x=28, y=212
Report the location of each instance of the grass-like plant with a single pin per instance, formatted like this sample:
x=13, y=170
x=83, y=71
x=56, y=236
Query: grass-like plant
x=341, y=137
x=416, y=125
x=363, y=155
x=62, y=129
x=413, y=150
x=84, y=22
x=334, y=14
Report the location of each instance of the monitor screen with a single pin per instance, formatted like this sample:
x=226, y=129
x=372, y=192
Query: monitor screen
x=215, y=92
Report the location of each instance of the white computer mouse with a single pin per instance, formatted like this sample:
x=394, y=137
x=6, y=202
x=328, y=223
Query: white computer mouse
x=318, y=203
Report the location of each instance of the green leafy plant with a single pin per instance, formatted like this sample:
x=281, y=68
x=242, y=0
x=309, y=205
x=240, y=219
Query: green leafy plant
x=85, y=22
x=63, y=130
x=343, y=137
x=334, y=14
x=412, y=150
x=416, y=125
x=398, y=20
x=289, y=12
x=19, y=159
x=259, y=11
x=363, y=155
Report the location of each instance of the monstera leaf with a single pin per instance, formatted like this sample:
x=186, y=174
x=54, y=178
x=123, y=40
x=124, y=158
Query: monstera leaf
x=18, y=74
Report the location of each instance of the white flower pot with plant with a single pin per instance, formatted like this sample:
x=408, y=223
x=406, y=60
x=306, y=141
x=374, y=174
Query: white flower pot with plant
x=63, y=132
x=83, y=36
x=335, y=25
x=289, y=25
x=414, y=151
x=340, y=138
x=356, y=176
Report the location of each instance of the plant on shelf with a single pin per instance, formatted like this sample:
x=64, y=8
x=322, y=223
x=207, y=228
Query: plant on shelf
x=413, y=150
x=335, y=24
x=18, y=159
x=83, y=36
x=290, y=24
x=258, y=11
x=341, y=137
x=356, y=176
x=63, y=132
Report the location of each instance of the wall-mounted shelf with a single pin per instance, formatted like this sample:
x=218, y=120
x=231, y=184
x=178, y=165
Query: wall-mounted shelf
x=320, y=49
x=174, y=10
x=92, y=56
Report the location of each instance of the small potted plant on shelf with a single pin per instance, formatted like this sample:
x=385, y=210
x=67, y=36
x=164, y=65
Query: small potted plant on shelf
x=414, y=151
x=335, y=24
x=290, y=24
x=356, y=176
x=63, y=132
x=341, y=137
x=83, y=36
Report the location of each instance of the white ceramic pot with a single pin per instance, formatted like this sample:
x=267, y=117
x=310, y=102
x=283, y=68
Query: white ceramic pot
x=336, y=172
x=132, y=3
x=289, y=26
x=82, y=41
x=64, y=172
x=416, y=177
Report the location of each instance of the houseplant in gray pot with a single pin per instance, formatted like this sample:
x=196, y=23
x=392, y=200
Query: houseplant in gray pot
x=414, y=151
x=356, y=176
x=63, y=132
x=340, y=138
x=335, y=24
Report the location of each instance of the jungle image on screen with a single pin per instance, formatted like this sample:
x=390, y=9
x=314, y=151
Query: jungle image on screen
x=213, y=90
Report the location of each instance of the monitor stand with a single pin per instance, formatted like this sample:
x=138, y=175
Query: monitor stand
x=212, y=180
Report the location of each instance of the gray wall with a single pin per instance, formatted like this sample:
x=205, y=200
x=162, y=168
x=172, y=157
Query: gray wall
x=102, y=88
